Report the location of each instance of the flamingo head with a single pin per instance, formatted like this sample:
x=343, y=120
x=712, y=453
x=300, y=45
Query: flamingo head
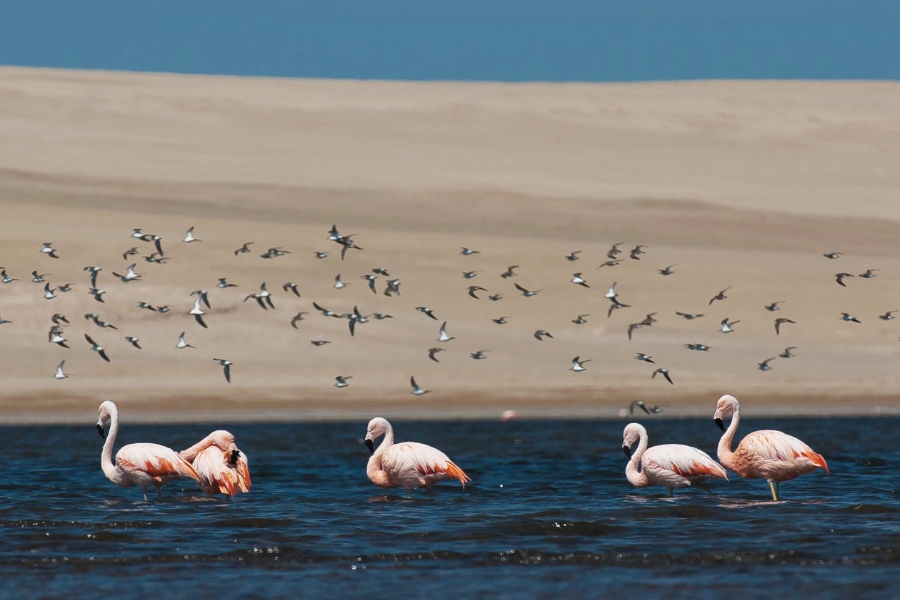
x=631, y=437
x=377, y=427
x=106, y=411
x=222, y=439
x=726, y=405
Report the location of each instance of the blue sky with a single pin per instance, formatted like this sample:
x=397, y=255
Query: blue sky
x=507, y=40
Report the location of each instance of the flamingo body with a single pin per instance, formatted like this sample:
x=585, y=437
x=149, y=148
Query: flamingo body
x=220, y=465
x=765, y=454
x=409, y=464
x=669, y=465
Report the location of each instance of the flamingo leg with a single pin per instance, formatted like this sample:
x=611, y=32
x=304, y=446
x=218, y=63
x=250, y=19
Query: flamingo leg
x=430, y=493
x=702, y=485
x=774, y=491
x=145, y=494
x=671, y=493
x=409, y=494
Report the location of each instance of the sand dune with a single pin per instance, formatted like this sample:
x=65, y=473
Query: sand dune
x=742, y=184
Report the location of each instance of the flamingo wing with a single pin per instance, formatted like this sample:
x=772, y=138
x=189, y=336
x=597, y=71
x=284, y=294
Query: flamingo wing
x=219, y=473
x=775, y=445
x=157, y=461
x=685, y=461
x=423, y=460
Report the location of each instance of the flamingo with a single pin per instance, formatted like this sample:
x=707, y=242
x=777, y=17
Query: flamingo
x=408, y=464
x=222, y=467
x=142, y=465
x=765, y=454
x=670, y=465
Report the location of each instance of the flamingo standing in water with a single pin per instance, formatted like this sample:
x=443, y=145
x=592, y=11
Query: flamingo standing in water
x=222, y=467
x=408, y=464
x=670, y=465
x=765, y=454
x=142, y=465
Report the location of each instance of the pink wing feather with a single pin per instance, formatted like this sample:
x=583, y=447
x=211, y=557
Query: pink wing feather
x=426, y=460
x=157, y=461
x=685, y=461
x=776, y=445
x=218, y=475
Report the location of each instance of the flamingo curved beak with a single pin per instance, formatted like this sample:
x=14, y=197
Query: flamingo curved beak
x=720, y=424
x=371, y=446
x=627, y=451
x=100, y=431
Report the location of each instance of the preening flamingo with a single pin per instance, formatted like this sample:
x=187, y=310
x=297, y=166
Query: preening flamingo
x=142, y=465
x=670, y=465
x=221, y=466
x=408, y=464
x=765, y=454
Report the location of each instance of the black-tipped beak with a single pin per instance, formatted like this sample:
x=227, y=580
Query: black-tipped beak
x=720, y=424
x=627, y=451
x=100, y=431
x=371, y=446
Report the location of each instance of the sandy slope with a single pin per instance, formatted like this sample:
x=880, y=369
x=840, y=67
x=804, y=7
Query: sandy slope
x=740, y=183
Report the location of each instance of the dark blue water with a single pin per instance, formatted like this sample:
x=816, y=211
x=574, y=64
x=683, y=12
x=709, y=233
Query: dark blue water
x=548, y=515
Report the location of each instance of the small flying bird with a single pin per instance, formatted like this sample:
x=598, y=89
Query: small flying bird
x=616, y=305
x=649, y=320
x=427, y=311
x=4, y=321
x=59, y=317
x=774, y=306
x=479, y=355
x=726, y=325
x=157, y=241
x=832, y=255
x=6, y=278
x=476, y=288
x=97, y=294
x=297, y=317
x=664, y=373
x=540, y=334
x=321, y=255
x=244, y=249
x=840, y=278
x=129, y=275
x=609, y=263
x=338, y=284
x=578, y=364
x=526, y=293
x=341, y=381
x=697, y=347
x=325, y=312
x=639, y=249
x=59, y=371
x=468, y=252
x=203, y=295
x=433, y=351
x=130, y=252
x=101, y=324
x=577, y=280
x=444, y=337
x=354, y=318
x=163, y=309
x=226, y=364
x=382, y=316
x=381, y=271
x=133, y=341
x=869, y=274
x=780, y=322
x=501, y=321
x=48, y=293
x=181, y=343
x=787, y=352
x=573, y=256
x=631, y=329
x=614, y=251
x=96, y=348
x=644, y=357
x=262, y=297
x=55, y=337
x=650, y=410
x=764, y=365
x=197, y=312
x=668, y=270
x=38, y=278
x=291, y=286
x=689, y=316
x=66, y=287
x=274, y=252
x=156, y=258
x=146, y=306
x=137, y=234
x=189, y=237
x=393, y=287
x=319, y=342
x=93, y=275
x=849, y=318
x=611, y=292
x=495, y=297
x=224, y=284
x=509, y=272
x=49, y=250
x=580, y=319
x=720, y=296
x=371, y=279
x=889, y=315
x=470, y=274
x=347, y=245
x=416, y=390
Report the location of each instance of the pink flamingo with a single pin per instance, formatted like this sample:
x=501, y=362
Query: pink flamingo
x=670, y=465
x=142, y=465
x=408, y=464
x=222, y=467
x=765, y=454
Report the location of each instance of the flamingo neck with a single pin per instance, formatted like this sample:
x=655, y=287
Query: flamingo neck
x=373, y=468
x=106, y=463
x=635, y=477
x=191, y=453
x=726, y=456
